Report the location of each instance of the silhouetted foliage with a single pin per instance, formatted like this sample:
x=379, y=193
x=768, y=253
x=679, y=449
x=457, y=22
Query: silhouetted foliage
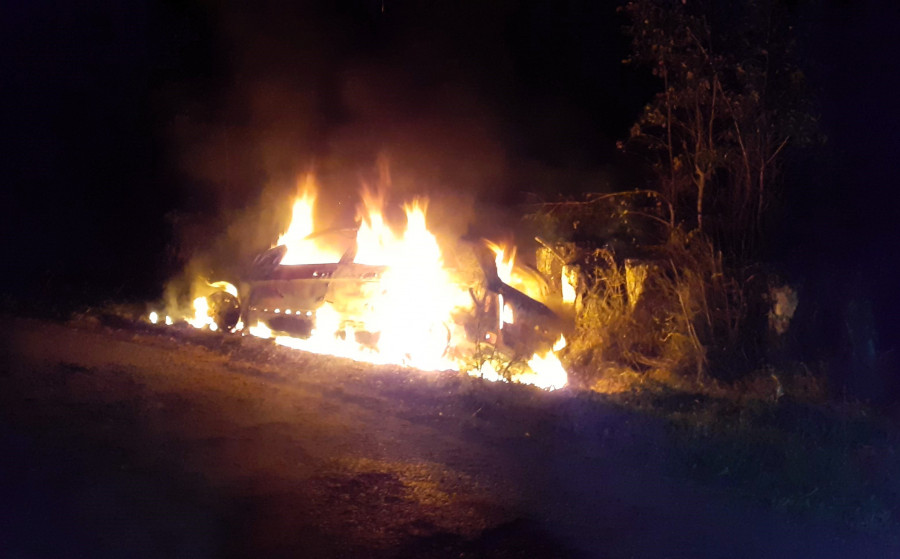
x=731, y=101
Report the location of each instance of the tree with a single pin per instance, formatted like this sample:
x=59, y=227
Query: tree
x=731, y=101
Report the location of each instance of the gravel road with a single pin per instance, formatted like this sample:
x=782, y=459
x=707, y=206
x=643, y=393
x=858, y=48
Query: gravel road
x=131, y=441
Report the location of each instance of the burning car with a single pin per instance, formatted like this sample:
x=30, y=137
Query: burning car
x=371, y=294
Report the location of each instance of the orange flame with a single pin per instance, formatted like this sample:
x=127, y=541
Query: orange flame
x=300, y=248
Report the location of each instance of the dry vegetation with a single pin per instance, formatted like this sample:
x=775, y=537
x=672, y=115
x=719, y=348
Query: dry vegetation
x=670, y=314
x=660, y=306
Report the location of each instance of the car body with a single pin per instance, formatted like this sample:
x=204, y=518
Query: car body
x=287, y=298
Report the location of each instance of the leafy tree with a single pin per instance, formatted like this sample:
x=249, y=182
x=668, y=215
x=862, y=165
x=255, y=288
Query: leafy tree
x=731, y=101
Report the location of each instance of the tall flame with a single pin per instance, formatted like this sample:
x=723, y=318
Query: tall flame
x=505, y=261
x=300, y=248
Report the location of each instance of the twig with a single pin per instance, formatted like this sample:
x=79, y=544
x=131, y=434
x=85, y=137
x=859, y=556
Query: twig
x=777, y=150
x=551, y=249
x=600, y=197
x=649, y=216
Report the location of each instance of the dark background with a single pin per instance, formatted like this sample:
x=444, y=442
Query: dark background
x=133, y=133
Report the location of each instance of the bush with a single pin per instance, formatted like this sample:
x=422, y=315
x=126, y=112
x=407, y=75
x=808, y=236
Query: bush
x=678, y=311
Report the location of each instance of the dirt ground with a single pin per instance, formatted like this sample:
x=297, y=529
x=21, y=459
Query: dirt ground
x=133, y=441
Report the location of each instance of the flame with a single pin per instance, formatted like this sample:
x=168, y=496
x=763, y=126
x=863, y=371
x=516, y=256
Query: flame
x=409, y=317
x=489, y=372
x=260, y=330
x=225, y=286
x=544, y=370
x=300, y=248
x=419, y=295
x=375, y=242
x=201, y=316
x=412, y=311
x=513, y=275
x=505, y=262
x=560, y=343
x=548, y=371
x=507, y=316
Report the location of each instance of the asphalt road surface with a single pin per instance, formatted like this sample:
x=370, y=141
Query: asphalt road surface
x=140, y=442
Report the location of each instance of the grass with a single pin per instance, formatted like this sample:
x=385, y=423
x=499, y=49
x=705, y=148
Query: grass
x=832, y=462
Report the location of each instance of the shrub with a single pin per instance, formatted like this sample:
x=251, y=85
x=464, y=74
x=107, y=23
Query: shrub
x=678, y=311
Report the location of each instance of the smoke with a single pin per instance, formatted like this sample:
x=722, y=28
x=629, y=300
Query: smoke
x=431, y=88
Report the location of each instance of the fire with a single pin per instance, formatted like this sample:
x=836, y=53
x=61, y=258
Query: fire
x=411, y=312
x=505, y=262
x=511, y=274
x=507, y=316
x=544, y=370
x=549, y=373
x=260, y=330
x=419, y=297
x=226, y=287
x=301, y=249
x=414, y=310
x=409, y=316
x=201, y=316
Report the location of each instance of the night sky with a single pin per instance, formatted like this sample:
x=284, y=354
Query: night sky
x=131, y=131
